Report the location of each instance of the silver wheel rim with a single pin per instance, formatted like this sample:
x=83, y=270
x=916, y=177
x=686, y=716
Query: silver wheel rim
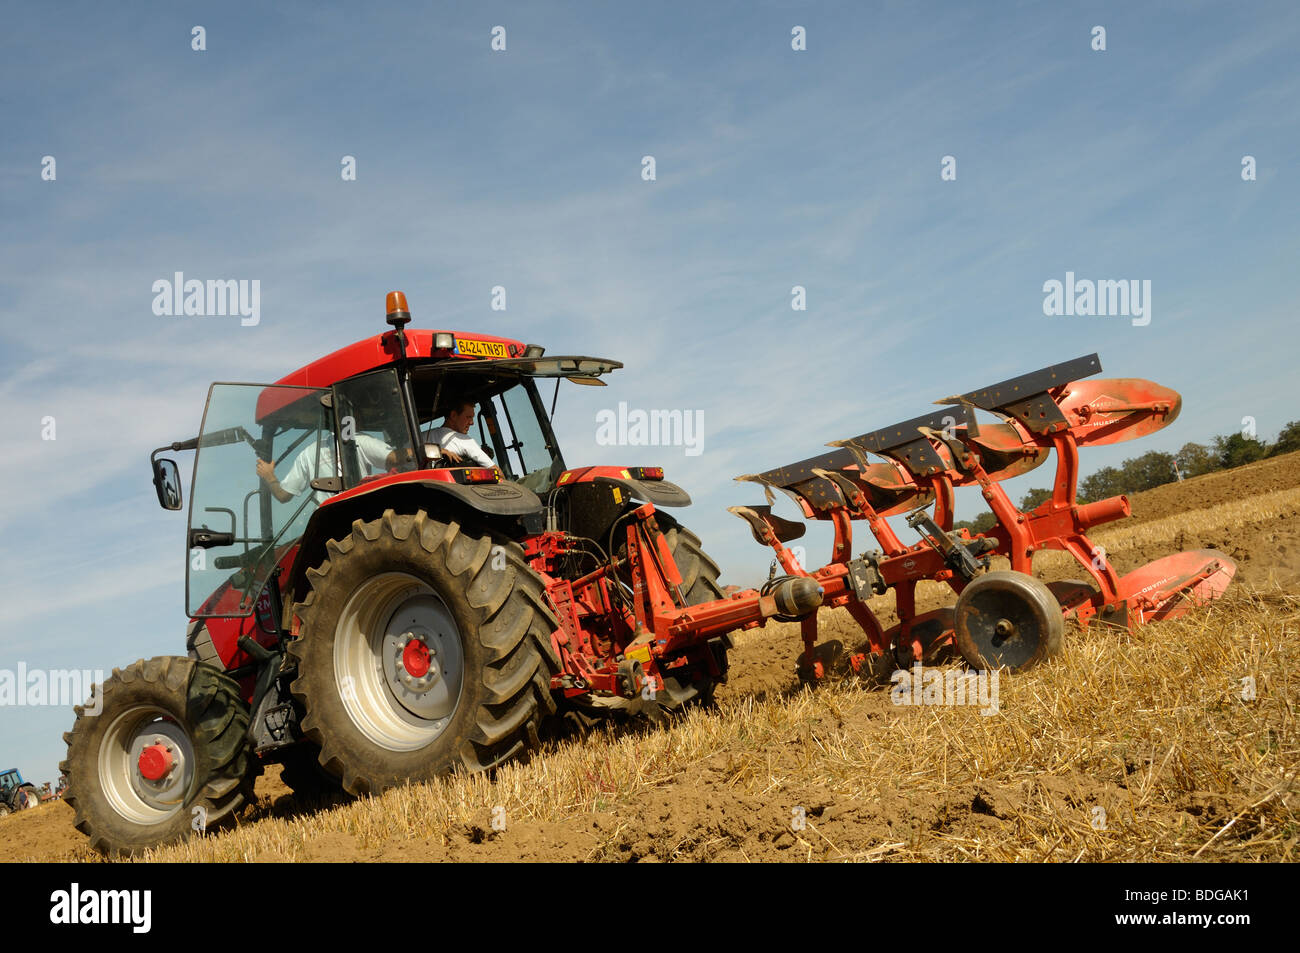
x=392, y=627
x=138, y=798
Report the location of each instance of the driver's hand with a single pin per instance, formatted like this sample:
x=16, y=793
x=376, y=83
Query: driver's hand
x=452, y=456
x=266, y=471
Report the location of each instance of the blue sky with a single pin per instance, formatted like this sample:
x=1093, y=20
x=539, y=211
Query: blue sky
x=522, y=168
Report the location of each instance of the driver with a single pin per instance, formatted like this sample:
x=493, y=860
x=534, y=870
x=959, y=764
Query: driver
x=453, y=440
x=371, y=452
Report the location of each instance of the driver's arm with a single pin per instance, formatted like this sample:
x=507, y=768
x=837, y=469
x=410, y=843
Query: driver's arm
x=455, y=448
x=467, y=449
x=266, y=471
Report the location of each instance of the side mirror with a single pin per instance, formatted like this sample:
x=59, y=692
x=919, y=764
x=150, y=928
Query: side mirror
x=167, y=483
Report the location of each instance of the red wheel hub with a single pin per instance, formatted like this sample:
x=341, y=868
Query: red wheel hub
x=155, y=761
x=415, y=658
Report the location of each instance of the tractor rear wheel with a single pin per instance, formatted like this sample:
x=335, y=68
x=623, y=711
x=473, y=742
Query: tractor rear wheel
x=699, y=572
x=163, y=752
x=425, y=647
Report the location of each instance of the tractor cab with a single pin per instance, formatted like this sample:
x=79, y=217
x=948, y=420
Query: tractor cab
x=362, y=420
x=8, y=781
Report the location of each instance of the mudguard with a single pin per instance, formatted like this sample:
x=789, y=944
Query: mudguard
x=658, y=492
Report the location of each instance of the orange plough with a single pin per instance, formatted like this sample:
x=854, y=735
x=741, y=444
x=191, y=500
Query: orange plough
x=1000, y=618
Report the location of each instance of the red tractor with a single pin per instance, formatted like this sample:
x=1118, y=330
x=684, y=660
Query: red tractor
x=376, y=599
x=367, y=609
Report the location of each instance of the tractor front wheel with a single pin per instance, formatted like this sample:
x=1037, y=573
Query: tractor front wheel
x=160, y=752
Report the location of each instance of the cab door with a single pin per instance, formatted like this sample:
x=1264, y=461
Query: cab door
x=239, y=531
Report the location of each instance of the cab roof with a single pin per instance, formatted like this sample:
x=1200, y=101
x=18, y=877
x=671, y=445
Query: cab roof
x=478, y=352
x=378, y=351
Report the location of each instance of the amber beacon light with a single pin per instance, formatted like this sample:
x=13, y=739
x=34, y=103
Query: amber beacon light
x=399, y=315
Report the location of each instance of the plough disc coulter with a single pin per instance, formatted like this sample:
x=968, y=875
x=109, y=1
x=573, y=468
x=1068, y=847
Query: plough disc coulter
x=1001, y=618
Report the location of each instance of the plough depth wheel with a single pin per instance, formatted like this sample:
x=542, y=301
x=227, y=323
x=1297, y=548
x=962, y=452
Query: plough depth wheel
x=1008, y=619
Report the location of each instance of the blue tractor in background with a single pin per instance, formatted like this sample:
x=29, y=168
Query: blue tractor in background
x=15, y=793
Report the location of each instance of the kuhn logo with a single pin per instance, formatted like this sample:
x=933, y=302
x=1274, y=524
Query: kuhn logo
x=1104, y=411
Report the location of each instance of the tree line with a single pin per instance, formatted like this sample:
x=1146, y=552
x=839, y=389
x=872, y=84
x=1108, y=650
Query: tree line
x=1156, y=468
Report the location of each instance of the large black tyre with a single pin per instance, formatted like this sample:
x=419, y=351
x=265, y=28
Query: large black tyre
x=197, y=710
x=481, y=615
x=699, y=572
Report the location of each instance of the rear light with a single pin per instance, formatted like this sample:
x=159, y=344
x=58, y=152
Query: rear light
x=478, y=475
x=444, y=341
x=647, y=473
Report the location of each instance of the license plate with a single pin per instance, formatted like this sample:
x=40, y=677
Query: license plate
x=481, y=348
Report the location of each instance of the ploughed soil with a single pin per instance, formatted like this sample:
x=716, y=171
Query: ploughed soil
x=700, y=813
x=42, y=832
x=1224, y=486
